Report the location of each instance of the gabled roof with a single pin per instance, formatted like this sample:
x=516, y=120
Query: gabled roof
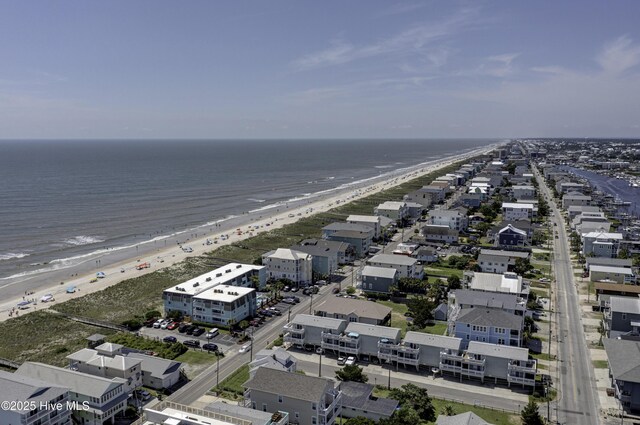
x=629, y=305
x=319, y=322
x=156, y=366
x=500, y=300
x=360, y=308
x=467, y=418
x=383, y=272
x=289, y=384
x=288, y=254
x=373, y=330
x=497, y=350
x=16, y=387
x=483, y=316
x=510, y=228
x=358, y=396
x=432, y=340
x=624, y=359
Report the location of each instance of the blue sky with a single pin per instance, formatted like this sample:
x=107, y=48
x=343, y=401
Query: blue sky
x=319, y=69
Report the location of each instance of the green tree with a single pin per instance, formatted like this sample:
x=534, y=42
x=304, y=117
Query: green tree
x=420, y=308
x=530, y=414
x=454, y=282
x=152, y=314
x=404, y=416
x=623, y=253
x=351, y=373
x=411, y=285
x=510, y=167
x=350, y=290
x=359, y=420
x=416, y=398
x=447, y=410
x=522, y=266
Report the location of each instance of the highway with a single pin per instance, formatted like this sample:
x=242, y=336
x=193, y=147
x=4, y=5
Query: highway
x=578, y=400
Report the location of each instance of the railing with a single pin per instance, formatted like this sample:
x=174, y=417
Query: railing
x=521, y=380
x=195, y=411
x=528, y=366
x=297, y=339
x=328, y=414
x=473, y=361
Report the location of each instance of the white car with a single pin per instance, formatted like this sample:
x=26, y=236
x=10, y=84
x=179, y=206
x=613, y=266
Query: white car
x=164, y=324
x=341, y=361
x=350, y=361
x=245, y=348
x=158, y=323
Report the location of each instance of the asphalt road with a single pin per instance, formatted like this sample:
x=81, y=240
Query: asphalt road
x=578, y=400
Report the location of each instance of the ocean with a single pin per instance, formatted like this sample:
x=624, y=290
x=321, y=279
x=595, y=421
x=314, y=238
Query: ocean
x=64, y=203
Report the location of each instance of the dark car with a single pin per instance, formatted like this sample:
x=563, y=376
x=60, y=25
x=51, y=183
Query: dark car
x=183, y=328
x=190, y=329
x=267, y=313
x=192, y=343
x=198, y=331
x=335, y=290
x=170, y=339
x=149, y=323
x=210, y=347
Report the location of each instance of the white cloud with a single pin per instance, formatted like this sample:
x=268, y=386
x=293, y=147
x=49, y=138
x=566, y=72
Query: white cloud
x=619, y=56
x=409, y=41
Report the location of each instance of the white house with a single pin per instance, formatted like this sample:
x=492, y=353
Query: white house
x=289, y=264
x=372, y=221
x=406, y=266
x=392, y=209
x=517, y=211
x=225, y=305
x=453, y=219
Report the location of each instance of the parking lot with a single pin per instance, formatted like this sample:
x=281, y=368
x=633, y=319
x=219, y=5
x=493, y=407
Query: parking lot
x=223, y=340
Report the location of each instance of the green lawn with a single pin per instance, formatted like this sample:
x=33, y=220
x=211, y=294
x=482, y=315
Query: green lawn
x=197, y=357
x=399, y=320
x=600, y=364
x=495, y=417
x=441, y=271
x=543, y=356
x=233, y=384
x=437, y=329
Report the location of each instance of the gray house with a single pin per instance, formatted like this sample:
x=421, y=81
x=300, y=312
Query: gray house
x=490, y=325
x=359, y=340
x=158, y=373
x=623, y=316
x=306, y=329
x=461, y=299
x=438, y=233
x=378, y=279
x=406, y=266
x=467, y=418
x=511, y=236
x=354, y=310
x=624, y=370
x=356, y=235
x=358, y=400
x=307, y=399
x=325, y=254
x=417, y=349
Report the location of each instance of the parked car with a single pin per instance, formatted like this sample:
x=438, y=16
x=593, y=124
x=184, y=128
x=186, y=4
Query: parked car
x=321, y=282
x=192, y=343
x=212, y=333
x=335, y=290
x=164, y=324
x=210, y=347
x=198, y=331
x=341, y=361
x=275, y=311
x=171, y=326
x=183, y=328
x=288, y=301
x=170, y=339
x=268, y=313
x=350, y=361
x=286, y=289
x=157, y=323
x=190, y=329
x=294, y=289
x=144, y=395
x=149, y=323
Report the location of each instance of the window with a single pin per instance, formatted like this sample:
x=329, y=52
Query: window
x=313, y=406
x=264, y=407
x=279, y=399
x=624, y=316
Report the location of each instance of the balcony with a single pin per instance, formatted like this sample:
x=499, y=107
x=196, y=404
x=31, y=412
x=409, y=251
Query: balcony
x=471, y=359
x=528, y=366
x=341, y=343
x=327, y=415
x=622, y=395
x=294, y=330
x=521, y=379
x=292, y=338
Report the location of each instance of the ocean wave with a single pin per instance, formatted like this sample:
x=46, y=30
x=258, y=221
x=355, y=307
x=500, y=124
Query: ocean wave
x=83, y=240
x=256, y=200
x=13, y=255
x=383, y=166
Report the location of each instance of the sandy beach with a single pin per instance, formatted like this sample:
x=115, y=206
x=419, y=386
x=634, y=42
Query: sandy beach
x=193, y=244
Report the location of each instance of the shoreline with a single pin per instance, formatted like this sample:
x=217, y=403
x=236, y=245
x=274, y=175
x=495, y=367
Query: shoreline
x=250, y=223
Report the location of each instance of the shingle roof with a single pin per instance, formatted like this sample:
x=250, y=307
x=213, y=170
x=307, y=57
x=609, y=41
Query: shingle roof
x=611, y=269
x=317, y=321
x=16, y=387
x=432, y=340
x=490, y=317
x=360, y=308
x=288, y=254
x=486, y=299
x=82, y=383
x=373, y=330
x=348, y=226
x=625, y=305
x=357, y=395
x=392, y=259
x=604, y=261
x=496, y=350
x=467, y=418
x=504, y=253
x=156, y=366
x=288, y=384
x=624, y=359
x=384, y=272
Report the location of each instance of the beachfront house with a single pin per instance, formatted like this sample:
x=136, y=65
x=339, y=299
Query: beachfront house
x=372, y=221
x=378, y=279
x=354, y=310
x=307, y=399
x=105, y=398
x=157, y=373
x=461, y=299
x=217, y=413
x=108, y=361
x=406, y=266
x=325, y=254
x=180, y=297
x=295, y=266
x=357, y=235
x=23, y=392
x=225, y=305
x=394, y=210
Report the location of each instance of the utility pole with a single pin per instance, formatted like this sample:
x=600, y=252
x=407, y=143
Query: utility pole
x=289, y=315
x=320, y=364
x=251, y=345
x=311, y=301
x=217, y=371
